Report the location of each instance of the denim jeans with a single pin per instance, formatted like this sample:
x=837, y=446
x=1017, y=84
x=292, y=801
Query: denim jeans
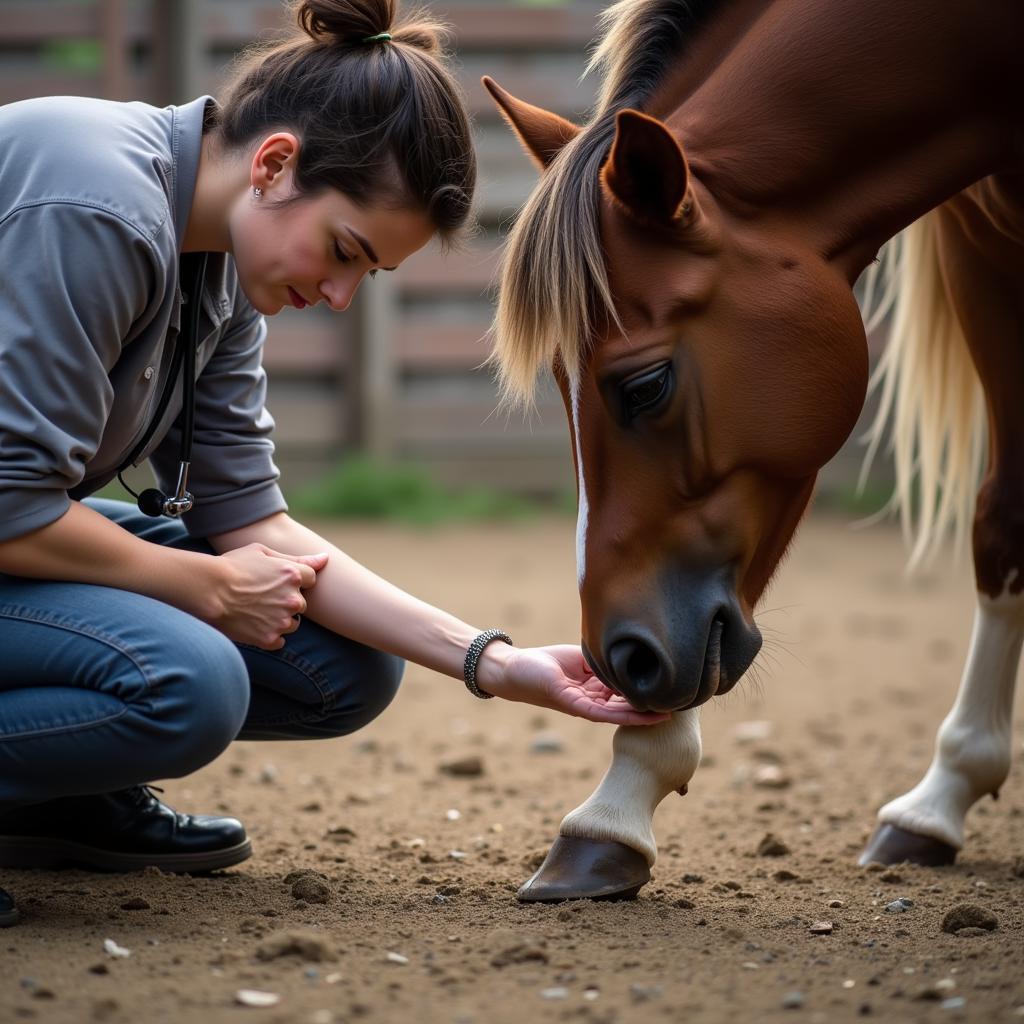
x=101, y=689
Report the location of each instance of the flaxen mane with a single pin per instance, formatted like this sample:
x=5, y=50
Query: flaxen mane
x=554, y=293
x=554, y=287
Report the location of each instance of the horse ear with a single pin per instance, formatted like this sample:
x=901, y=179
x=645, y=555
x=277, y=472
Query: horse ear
x=541, y=132
x=646, y=170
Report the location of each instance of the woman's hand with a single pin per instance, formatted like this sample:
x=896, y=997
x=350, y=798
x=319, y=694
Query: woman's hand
x=260, y=596
x=558, y=678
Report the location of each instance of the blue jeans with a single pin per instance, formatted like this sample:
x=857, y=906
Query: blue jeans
x=101, y=689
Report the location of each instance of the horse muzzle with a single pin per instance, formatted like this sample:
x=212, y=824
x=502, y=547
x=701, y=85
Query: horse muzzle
x=684, y=654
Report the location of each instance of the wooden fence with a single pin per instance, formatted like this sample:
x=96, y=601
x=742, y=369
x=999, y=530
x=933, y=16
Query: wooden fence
x=397, y=376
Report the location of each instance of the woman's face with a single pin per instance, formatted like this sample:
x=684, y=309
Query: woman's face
x=316, y=248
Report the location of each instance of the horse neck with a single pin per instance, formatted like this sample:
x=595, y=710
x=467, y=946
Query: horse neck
x=847, y=121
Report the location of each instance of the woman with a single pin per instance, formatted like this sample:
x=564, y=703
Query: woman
x=135, y=647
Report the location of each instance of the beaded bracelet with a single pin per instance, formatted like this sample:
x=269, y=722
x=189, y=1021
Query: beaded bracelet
x=476, y=648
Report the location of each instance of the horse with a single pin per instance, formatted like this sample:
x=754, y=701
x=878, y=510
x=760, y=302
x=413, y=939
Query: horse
x=686, y=268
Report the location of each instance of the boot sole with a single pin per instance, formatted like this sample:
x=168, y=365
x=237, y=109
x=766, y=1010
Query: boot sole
x=33, y=852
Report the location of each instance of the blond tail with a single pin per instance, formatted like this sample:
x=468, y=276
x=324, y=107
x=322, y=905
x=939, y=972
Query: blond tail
x=930, y=391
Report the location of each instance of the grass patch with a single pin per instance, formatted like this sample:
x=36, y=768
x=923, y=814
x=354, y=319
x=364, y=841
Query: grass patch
x=361, y=488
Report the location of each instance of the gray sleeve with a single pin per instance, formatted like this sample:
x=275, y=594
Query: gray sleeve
x=75, y=279
x=233, y=476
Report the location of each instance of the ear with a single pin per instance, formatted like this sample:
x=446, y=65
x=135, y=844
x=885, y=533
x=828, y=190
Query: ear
x=275, y=154
x=646, y=171
x=541, y=132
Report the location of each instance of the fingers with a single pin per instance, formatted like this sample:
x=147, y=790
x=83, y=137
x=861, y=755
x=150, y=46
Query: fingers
x=619, y=714
x=315, y=562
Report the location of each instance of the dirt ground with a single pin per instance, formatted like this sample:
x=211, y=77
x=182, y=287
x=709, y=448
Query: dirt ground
x=418, y=868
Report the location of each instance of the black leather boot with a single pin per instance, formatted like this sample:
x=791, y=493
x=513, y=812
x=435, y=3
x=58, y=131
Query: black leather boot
x=8, y=911
x=123, y=831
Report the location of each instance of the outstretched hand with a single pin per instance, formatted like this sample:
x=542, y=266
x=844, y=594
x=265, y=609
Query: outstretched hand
x=559, y=678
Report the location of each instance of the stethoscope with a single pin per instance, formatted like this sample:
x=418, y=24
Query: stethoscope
x=153, y=501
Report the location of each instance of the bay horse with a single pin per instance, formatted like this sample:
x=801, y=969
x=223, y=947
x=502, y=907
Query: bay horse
x=685, y=268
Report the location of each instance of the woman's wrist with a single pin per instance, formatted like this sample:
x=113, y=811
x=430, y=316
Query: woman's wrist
x=492, y=665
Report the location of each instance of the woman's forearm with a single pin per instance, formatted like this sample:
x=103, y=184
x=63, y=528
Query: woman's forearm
x=351, y=600
x=83, y=546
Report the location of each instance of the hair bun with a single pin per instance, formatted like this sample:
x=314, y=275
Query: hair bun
x=344, y=21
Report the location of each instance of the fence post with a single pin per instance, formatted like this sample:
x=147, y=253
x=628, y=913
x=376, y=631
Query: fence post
x=374, y=383
x=115, y=50
x=183, y=65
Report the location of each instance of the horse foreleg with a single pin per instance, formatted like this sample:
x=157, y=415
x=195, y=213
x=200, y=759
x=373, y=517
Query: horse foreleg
x=606, y=846
x=972, y=749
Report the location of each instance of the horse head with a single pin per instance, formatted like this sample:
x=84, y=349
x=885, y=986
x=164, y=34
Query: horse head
x=710, y=361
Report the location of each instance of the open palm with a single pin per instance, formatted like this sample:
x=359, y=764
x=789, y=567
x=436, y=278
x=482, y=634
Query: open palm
x=558, y=677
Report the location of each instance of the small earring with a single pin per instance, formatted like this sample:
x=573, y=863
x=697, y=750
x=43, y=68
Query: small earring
x=257, y=192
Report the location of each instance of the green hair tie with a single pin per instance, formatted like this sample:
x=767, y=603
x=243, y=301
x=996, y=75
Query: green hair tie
x=381, y=37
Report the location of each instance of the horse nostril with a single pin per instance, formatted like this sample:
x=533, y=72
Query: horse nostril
x=635, y=664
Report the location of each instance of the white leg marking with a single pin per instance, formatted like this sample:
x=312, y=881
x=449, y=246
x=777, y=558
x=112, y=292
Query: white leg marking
x=581, y=505
x=648, y=763
x=972, y=749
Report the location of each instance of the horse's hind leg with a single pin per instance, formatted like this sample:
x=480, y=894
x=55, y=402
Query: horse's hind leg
x=606, y=846
x=972, y=750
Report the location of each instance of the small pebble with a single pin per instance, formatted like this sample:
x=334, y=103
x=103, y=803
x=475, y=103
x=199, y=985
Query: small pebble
x=547, y=743
x=771, y=776
x=955, y=1003
x=467, y=767
x=254, y=997
x=792, y=1000
x=821, y=928
x=772, y=846
x=136, y=903
x=453, y=814
x=559, y=992
x=457, y=854
x=644, y=993
x=396, y=958
x=115, y=950
x=268, y=776
x=836, y=904
x=751, y=732
x=898, y=906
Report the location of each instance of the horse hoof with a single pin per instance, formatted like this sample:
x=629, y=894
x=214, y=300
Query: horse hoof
x=586, y=869
x=892, y=845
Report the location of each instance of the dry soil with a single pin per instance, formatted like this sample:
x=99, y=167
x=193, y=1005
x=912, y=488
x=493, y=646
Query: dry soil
x=407, y=911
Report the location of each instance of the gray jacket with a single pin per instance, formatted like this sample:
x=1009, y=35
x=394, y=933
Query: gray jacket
x=94, y=200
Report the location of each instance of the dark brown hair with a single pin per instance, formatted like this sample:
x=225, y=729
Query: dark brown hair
x=381, y=121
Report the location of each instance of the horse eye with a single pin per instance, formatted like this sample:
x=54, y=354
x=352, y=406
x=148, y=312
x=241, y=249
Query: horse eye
x=643, y=393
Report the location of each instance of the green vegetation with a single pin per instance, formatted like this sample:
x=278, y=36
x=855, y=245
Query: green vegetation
x=849, y=500
x=360, y=488
x=84, y=56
